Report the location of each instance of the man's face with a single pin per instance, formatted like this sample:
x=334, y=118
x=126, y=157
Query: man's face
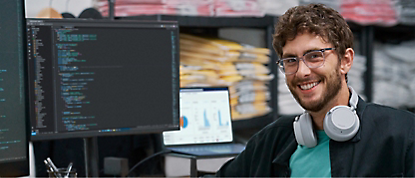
x=313, y=88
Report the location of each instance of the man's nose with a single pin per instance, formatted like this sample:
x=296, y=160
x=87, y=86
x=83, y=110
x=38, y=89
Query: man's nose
x=303, y=69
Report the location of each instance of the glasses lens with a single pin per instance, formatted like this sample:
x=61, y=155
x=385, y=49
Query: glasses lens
x=289, y=65
x=314, y=59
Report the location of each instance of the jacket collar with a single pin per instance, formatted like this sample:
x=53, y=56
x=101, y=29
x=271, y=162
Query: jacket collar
x=361, y=106
x=285, y=155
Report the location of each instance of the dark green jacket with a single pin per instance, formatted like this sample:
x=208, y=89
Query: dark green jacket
x=383, y=146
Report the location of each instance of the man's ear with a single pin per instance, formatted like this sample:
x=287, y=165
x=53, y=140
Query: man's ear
x=347, y=61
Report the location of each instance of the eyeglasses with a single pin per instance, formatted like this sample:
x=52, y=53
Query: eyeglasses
x=312, y=59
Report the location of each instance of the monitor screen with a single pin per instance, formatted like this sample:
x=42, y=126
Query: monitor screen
x=102, y=77
x=205, y=117
x=14, y=118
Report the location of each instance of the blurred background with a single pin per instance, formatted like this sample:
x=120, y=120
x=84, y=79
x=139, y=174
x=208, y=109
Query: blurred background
x=228, y=42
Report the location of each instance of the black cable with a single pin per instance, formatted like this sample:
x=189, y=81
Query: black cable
x=146, y=159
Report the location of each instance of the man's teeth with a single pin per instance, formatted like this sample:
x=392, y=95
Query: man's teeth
x=308, y=86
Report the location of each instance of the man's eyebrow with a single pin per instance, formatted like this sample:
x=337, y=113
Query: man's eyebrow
x=312, y=50
x=293, y=55
x=288, y=55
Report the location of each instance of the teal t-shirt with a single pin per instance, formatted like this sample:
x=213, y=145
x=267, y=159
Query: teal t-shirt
x=312, y=162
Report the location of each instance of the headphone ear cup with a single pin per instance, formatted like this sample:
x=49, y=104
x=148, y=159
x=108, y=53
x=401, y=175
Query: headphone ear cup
x=90, y=13
x=67, y=15
x=341, y=123
x=304, y=132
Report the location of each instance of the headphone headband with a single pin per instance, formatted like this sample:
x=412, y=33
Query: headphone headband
x=354, y=99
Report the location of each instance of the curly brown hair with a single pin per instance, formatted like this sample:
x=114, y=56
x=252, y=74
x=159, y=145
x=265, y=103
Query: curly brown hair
x=316, y=19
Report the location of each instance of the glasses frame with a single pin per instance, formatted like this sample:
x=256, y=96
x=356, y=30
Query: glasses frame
x=297, y=59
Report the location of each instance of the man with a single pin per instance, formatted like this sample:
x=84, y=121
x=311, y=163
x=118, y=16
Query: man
x=339, y=135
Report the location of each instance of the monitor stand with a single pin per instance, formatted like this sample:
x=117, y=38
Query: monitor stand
x=32, y=172
x=91, y=156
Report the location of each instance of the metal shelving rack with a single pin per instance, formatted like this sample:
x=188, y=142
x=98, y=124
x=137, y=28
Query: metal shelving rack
x=365, y=35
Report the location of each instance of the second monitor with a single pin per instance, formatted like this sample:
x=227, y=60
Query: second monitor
x=98, y=77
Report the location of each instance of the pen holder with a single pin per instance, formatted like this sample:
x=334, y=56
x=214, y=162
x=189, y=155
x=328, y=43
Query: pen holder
x=62, y=172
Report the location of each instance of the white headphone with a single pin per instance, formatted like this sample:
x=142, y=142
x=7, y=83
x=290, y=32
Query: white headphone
x=341, y=123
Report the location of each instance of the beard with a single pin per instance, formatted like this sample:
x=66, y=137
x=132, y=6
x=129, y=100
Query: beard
x=331, y=90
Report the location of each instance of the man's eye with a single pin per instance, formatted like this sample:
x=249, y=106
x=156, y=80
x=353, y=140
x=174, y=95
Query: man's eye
x=314, y=56
x=292, y=60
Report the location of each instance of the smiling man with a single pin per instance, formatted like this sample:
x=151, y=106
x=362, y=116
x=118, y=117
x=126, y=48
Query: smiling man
x=339, y=134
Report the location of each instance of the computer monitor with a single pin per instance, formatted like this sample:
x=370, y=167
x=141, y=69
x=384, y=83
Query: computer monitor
x=14, y=118
x=102, y=77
